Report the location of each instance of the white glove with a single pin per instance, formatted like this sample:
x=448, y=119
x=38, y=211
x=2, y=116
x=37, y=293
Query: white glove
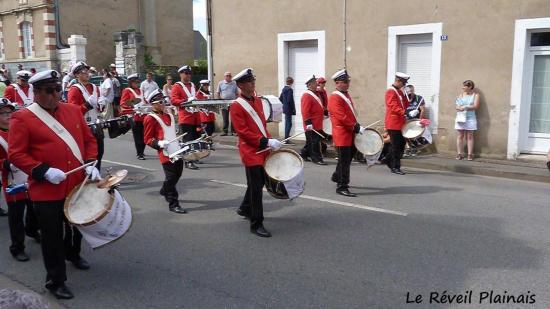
x=413, y=113
x=163, y=143
x=274, y=144
x=13, y=168
x=362, y=130
x=93, y=172
x=94, y=103
x=309, y=127
x=55, y=175
x=191, y=99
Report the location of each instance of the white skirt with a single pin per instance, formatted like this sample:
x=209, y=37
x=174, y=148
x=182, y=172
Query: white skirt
x=469, y=125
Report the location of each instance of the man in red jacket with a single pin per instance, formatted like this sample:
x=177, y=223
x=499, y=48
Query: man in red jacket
x=46, y=140
x=188, y=117
x=250, y=123
x=20, y=92
x=396, y=108
x=12, y=177
x=344, y=128
x=132, y=96
x=159, y=134
x=312, y=116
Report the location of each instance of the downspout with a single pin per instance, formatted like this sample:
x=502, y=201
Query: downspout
x=345, y=34
x=58, y=41
x=209, y=58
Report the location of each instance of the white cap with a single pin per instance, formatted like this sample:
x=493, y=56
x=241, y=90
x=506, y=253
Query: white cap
x=48, y=76
x=79, y=66
x=340, y=75
x=185, y=68
x=312, y=79
x=112, y=65
x=243, y=75
x=402, y=75
x=156, y=93
x=93, y=69
x=204, y=81
x=133, y=76
x=24, y=74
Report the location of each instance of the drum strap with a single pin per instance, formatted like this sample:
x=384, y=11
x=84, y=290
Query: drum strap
x=311, y=93
x=189, y=94
x=57, y=128
x=27, y=100
x=4, y=145
x=90, y=115
x=250, y=110
x=162, y=124
x=400, y=98
x=348, y=101
x=135, y=94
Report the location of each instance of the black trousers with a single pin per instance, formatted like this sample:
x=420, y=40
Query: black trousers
x=116, y=106
x=225, y=117
x=252, y=202
x=172, y=174
x=397, y=147
x=191, y=131
x=209, y=127
x=312, y=148
x=342, y=172
x=137, y=131
x=100, y=150
x=21, y=224
x=56, y=248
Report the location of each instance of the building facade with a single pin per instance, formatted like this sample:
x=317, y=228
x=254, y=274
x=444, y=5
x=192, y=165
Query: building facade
x=502, y=45
x=33, y=32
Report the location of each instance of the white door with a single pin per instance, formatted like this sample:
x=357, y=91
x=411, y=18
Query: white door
x=303, y=62
x=415, y=58
x=538, y=135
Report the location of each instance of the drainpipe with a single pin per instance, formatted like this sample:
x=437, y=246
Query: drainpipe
x=209, y=58
x=58, y=41
x=345, y=34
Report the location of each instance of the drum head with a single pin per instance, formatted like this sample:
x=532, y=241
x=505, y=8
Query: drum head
x=113, y=180
x=327, y=126
x=91, y=205
x=369, y=143
x=268, y=111
x=412, y=129
x=283, y=165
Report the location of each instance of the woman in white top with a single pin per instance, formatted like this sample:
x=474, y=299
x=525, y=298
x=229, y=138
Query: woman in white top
x=167, y=88
x=466, y=122
x=108, y=95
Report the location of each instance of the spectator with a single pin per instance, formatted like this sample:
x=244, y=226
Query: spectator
x=227, y=90
x=19, y=67
x=117, y=93
x=148, y=85
x=167, y=88
x=3, y=86
x=113, y=71
x=321, y=82
x=416, y=110
x=108, y=94
x=6, y=71
x=289, y=109
x=65, y=85
x=93, y=72
x=3, y=77
x=466, y=123
x=33, y=71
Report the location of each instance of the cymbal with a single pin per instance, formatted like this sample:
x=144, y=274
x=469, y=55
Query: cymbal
x=113, y=179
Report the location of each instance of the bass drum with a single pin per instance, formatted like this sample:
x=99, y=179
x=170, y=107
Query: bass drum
x=284, y=170
x=369, y=143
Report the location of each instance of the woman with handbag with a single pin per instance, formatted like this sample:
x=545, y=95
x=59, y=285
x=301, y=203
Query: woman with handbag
x=466, y=123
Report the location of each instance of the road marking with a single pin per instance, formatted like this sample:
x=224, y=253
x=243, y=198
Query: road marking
x=130, y=165
x=326, y=200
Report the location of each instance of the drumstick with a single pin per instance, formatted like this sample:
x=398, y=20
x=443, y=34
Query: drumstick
x=286, y=139
x=78, y=168
x=177, y=137
x=321, y=135
x=81, y=186
x=370, y=125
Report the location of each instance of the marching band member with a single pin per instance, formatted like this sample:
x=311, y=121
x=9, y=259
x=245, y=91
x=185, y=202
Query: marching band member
x=131, y=96
x=321, y=82
x=396, y=107
x=208, y=118
x=46, y=140
x=344, y=127
x=160, y=129
x=86, y=96
x=250, y=123
x=20, y=92
x=312, y=115
x=188, y=117
x=20, y=224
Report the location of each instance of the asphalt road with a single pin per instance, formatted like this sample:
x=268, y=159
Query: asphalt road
x=424, y=232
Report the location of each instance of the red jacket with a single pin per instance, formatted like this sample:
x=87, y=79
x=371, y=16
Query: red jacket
x=152, y=133
x=312, y=111
x=5, y=172
x=250, y=137
x=11, y=94
x=342, y=119
x=205, y=116
x=178, y=97
x=128, y=109
x=75, y=97
x=396, y=106
x=33, y=148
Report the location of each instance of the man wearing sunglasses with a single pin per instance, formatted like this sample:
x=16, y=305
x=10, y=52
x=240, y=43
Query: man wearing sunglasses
x=20, y=92
x=46, y=140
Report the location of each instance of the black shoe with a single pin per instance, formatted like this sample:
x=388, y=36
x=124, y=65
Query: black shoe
x=345, y=192
x=223, y=134
x=141, y=157
x=3, y=213
x=260, y=231
x=243, y=213
x=197, y=162
x=60, y=291
x=320, y=162
x=161, y=192
x=305, y=158
x=190, y=165
x=178, y=210
x=397, y=171
x=334, y=178
x=36, y=235
x=81, y=263
x=21, y=256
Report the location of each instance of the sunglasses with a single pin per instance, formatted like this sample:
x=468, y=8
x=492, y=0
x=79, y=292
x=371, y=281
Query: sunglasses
x=6, y=113
x=187, y=73
x=51, y=90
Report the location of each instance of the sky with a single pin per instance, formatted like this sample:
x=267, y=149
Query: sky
x=199, y=16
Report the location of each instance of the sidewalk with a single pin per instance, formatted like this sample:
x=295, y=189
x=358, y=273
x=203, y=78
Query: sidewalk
x=7, y=283
x=533, y=170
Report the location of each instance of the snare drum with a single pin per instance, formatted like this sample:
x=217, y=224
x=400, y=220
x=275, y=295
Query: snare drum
x=268, y=111
x=327, y=126
x=284, y=171
x=369, y=143
x=413, y=129
x=102, y=215
x=192, y=150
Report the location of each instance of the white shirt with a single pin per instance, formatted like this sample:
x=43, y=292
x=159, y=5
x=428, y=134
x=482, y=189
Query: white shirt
x=148, y=87
x=65, y=82
x=105, y=86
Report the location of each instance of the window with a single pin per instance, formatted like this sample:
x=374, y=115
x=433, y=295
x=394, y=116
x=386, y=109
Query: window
x=27, y=42
x=540, y=39
x=22, y=2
